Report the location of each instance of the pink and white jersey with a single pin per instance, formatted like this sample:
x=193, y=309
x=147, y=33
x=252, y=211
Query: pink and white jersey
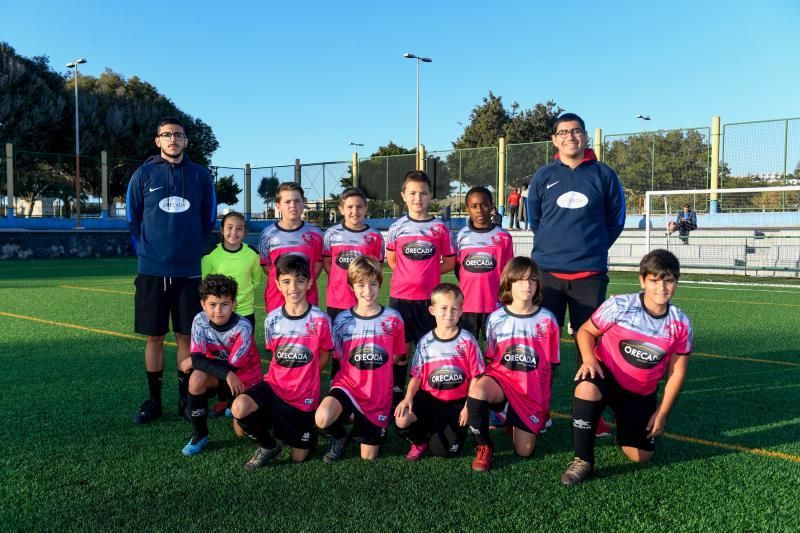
x=296, y=343
x=445, y=366
x=521, y=351
x=275, y=242
x=343, y=245
x=482, y=256
x=365, y=347
x=419, y=246
x=231, y=344
x=637, y=346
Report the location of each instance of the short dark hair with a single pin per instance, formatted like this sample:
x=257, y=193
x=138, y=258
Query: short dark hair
x=660, y=263
x=231, y=214
x=478, y=189
x=515, y=270
x=292, y=264
x=289, y=186
x=169, y=120
x=568, y=117
x=350, y=192
x=418, y=176
x=219, y=286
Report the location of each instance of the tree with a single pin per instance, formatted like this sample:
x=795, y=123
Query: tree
x=227, y=190
x=267, y=187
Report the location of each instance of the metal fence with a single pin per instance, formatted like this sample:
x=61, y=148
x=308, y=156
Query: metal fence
x=238, y=175
x=263, y=182
x=3, y=187
x=322, y=183
x=760, y=153
x=119, y=174
x=454, y=172
x=381, y=179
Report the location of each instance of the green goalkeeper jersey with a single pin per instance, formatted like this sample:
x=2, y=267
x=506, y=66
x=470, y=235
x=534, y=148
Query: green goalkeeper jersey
x=242, y=265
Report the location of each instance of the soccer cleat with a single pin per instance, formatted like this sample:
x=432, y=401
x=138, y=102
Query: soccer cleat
x=220, y=409
x=483, y=458
x=577, y=471
x=603, y=429
x=547, y=425
x=416, y=451
x=194, y=446
x=263, y=456
x=149, y=411
x=335, y=452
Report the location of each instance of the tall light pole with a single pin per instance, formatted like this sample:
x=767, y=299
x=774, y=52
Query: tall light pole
x=355, y=169
x=423, y=60
x=74, y=65
x=644, y=118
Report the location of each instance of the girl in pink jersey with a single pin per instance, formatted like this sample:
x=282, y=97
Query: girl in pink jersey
x=628, y=345
x=522, y=345
x=366, y=338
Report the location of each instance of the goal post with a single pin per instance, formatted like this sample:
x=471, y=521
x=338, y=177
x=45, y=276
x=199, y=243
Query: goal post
x=739, y=229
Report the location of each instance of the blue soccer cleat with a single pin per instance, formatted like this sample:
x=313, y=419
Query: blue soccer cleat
x=194, y=446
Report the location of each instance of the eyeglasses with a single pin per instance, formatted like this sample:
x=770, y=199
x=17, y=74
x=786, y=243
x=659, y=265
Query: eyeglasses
x=577, y=132
x=169, y=135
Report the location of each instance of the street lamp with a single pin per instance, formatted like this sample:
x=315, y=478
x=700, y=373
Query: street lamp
x=74, y=65
x=423, y=60
x=644, y=118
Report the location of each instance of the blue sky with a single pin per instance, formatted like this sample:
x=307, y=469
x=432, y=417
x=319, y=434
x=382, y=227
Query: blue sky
x=279, y=81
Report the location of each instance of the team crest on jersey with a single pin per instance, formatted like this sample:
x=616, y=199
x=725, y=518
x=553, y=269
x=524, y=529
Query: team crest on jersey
x=461, y=348
x=311, y=328
x=446, y=378
x=479, y=263
x=497, y=239
x=520, y=358
x=388, y=327
x=368, y=357
x=419, y=250
x=641, y=354
x=220, y=355
x=369, y=239
x=344, y=259
x=292, y=355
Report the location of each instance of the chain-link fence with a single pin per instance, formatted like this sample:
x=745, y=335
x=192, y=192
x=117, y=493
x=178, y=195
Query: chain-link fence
x=264, y=181
x=230, y=184
x=120, y=171
x=454, y=172
x=659, y=160
x=381, y=179
x=760, y=154
x=323, y=182
x=3, y=185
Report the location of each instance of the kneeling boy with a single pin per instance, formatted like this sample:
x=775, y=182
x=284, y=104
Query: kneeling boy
x=627, y=347
x=223, y=356
x=282, y=406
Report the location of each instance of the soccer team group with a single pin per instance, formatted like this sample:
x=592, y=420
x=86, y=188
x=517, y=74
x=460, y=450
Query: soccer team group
x=431, y=335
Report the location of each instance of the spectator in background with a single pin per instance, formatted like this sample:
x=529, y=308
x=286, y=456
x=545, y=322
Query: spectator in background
x=685, y=222
x=513, y=209
x=497, y=218
x=523, y=207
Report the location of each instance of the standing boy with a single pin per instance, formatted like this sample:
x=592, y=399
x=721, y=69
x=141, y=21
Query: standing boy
x=224, y=357
x=282, y=406
x=366, y=338
x=289, y=235
x=171, y=209
x=629, y=344
x=513, y=209
x=419, y=249
x=433, y=414
x=483, y=250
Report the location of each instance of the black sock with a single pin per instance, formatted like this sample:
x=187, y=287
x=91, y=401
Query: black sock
x=154, y=380
x=335, y=366
x=337, y=430
x=585, y=414
x=256, y=425
x=224, y=394
x=399, y=372
x=183, y=385
x=198, y=407
x=478, y=418
x=447, y=443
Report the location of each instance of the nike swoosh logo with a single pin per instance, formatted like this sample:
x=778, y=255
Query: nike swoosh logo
x=152, y=189
x=551, y=184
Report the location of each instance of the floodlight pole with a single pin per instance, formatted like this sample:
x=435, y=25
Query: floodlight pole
x=419, y=60
x=74, y=65
x=644, y=118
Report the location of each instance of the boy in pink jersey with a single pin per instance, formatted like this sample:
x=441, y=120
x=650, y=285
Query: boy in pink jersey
x=223, y=355
x=366, y=338
x=289, y=235
x=447, y=360
x=629, y=344
x=522, y=345
x=282, y=406
x=483, y=250
x=342, y=244
x=419, y=249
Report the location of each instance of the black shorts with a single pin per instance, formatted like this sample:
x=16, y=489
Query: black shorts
x=632, y=411
x=417, y=320
x=289, y=424
x=364, y=431
x=157, y=298
x=582, y=296
x=475, y=323
x=333, y=312
x=512, y=418
x=436, y=417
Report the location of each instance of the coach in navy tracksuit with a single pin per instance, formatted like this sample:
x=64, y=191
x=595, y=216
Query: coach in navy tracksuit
x=171, y=207
x=576, y=208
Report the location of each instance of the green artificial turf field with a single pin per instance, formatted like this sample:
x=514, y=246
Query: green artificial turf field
x=73, y=376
